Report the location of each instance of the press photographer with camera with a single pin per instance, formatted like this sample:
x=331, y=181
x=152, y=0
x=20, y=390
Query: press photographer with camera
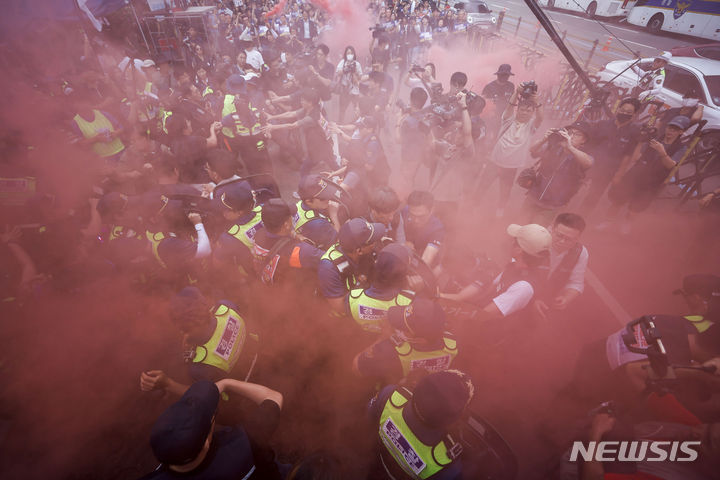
x=558, y=173
x=412, y=132
x=641, y=176
x=347, y=81
x=422, y=77
x=510, y=150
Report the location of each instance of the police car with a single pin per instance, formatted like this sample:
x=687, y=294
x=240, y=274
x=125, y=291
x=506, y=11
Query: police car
x=682, y=75
x=479, y=14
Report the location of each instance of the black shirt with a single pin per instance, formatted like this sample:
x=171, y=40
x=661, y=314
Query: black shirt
x=611, y=144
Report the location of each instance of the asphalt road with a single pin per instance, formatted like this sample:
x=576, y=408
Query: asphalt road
x=582, y=32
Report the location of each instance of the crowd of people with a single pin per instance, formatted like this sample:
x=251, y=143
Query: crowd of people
x=299, y=213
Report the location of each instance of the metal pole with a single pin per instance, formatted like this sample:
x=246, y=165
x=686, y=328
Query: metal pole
x=140, y=27
x=563, y=37
x=501, y=16
x=518, y=26
x=537, y=34
x=592, y=52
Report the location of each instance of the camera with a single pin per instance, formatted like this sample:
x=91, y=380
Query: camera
x=414, y=68
x=647, y=133
x=528, y=89
x=349, y=67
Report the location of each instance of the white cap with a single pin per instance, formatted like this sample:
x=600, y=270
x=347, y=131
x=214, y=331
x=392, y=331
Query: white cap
x=534, y=239
x=666, y=56
x=148, y=63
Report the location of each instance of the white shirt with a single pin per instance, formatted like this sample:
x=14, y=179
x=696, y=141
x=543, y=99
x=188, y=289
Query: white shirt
x=254, y=58
x=512, y=148
x=577, y=276
x=515, y=298
x=306, y=29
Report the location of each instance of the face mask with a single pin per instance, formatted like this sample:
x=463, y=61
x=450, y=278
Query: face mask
x=623, y=117
x=689, y=102
x=350, y=57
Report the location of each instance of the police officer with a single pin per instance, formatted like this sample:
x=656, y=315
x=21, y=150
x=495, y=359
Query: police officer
x=278, y=255
x=419, y=342
x=414, y=427
x=241, y=127
x=312, y=221
x=174, y=246
x=348, y=264
x=218, y=342
x=233, y=250
x=369, y=306
x=652, y=80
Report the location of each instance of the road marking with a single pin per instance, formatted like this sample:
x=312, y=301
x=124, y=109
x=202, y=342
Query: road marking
x=613, y=305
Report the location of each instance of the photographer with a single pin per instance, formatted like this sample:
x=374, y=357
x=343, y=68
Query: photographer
x=511, y=148
x=412, y=133
x=640, y=177
x=559, y=171
x=454, y=148
x=421, y=77
x=500, y=91
x=347, y=81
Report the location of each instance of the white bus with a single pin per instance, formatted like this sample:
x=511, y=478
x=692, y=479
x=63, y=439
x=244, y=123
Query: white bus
x=700, y=18
x=592, y=8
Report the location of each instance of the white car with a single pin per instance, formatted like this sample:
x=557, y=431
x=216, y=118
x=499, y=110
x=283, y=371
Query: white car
x=479, y=14
x=682, y=75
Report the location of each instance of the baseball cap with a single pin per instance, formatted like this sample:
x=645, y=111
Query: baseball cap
x=315, y=186
x=534, y=239
x=236, y=196
x=188, y=304
x=235, y=85
x=440, y=398
x=392, y=264
x=179, y=433
x=358, y=232
x=148, y=63
x=680, y=122
x=422, y=318
x=504, y=69
x=704, y=284
x=666, y=56
x=581, y=126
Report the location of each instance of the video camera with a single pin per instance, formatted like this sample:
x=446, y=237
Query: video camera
x=349, y=67
x=528, y=89
x=446, y=108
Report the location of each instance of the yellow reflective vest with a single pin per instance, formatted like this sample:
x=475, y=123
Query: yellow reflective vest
x=224, y=347
x=431, y=361
x=96, y=128
x=239, y=129
x=415, y=458
x=369, y=312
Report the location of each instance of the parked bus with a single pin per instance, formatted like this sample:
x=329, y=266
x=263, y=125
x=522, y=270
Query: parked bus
x=592, y=8
x=700, y=18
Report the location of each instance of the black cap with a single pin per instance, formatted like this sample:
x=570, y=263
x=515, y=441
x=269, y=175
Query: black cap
x=236, y=196
x=704, y=284
x=440, y=398
x=235, y=85
x=504, y=69
x=422, y=318
x=358, y=232
x=179, y=433
x=581, y=126
x=315, y=186
x=392, y=262
x=188, y=304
